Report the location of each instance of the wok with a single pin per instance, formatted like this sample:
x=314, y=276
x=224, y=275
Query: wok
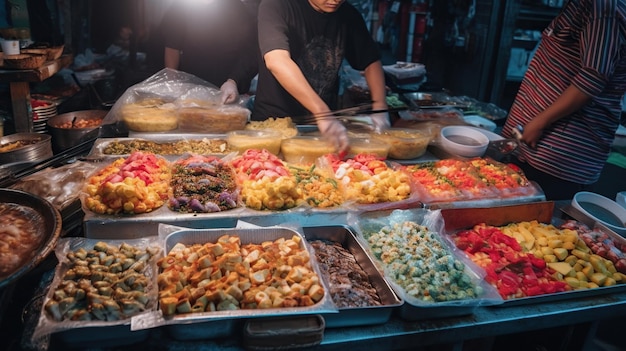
x=52, y=223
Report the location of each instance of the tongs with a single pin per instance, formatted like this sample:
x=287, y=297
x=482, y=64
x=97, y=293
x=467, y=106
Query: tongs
x=347, y=113
x=502, y=147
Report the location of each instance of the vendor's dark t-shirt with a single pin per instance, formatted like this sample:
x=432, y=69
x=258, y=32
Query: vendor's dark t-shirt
x=318, y=43
x=218, y=40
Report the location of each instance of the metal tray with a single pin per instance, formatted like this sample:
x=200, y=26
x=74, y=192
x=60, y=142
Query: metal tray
x=201, y=325
x=97, y=150
x=348, y=317
x=283, y=333
x=436, y=100
x=105, y=333
x=415, y=309
x=459, y=218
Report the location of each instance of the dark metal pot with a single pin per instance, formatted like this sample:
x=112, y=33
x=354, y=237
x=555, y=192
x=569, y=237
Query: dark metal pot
x=64, y=138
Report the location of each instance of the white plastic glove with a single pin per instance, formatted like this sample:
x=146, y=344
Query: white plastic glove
x=380, y=121
x=335, y=132
x=229, y=91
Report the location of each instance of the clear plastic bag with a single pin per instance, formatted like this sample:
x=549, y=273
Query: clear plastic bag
x=154, y=105
x=60, y=185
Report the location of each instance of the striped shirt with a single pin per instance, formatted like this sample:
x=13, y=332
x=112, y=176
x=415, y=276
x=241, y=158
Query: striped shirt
x=584, y=46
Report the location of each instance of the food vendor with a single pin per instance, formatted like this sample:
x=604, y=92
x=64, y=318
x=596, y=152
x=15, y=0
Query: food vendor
x=303, y=44
x=197, y=42
x=569, y=103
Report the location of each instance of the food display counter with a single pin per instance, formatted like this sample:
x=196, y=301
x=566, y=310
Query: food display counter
x=399, y=324
x=449, y=333
x=576, y=311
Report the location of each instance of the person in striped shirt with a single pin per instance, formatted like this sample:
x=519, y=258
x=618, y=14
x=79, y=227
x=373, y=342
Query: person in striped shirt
x=569, y=103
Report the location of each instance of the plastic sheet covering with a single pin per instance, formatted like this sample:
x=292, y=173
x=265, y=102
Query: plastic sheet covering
x=60, y=185
x=153, y=105
x=437, y=291
x=85, y=301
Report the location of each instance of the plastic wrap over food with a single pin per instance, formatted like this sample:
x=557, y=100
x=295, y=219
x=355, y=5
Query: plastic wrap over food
x=155, y=104
x=100, y=284
x=425, y=269
x=472, y=179
x=60, y=186
x=354, y=84
x=369, y=182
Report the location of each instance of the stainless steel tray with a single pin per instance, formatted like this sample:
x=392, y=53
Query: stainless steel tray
x=460, y=218
x=105, y=333
x=348, y=317
x=201, y=325
x=436, y=100
x=414, y=308
x=97, y=150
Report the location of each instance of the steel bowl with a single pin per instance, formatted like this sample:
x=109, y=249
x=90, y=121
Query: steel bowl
x=66, y=137
x=52, y=224
x=36, y=147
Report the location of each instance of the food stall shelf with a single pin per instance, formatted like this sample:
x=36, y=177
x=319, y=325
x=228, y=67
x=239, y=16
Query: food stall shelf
x=442, y=334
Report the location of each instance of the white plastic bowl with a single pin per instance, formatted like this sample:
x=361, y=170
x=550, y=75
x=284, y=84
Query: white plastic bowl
x=463, y=141
x=602, y=210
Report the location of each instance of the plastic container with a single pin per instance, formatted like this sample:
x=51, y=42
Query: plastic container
x=373, y=146
x=242, y=140
x=602, y=210
x=220, y=119
x=405, y=144
x=305, y=149
x=463, y=141
x=620, y=198
x=283, y=333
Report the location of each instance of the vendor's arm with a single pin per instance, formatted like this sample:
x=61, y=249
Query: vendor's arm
x=375, y=77
x=289, y=75
x=572, y=100
x=171, y=58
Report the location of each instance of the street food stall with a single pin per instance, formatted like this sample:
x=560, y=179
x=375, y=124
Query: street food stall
x=186, y=241
x=173, y=222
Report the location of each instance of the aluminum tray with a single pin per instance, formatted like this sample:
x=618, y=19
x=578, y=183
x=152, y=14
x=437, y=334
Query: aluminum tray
x=436, y=100
x=97, y=150
x=348, y=317
x=414, y=308
x=460, y=218
x=223, y=323
x=104, y=333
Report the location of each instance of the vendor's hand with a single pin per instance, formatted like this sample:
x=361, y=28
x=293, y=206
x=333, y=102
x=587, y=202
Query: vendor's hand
x=380, y=121
x=533, y=131
x=229, y=91
x=335, y=132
